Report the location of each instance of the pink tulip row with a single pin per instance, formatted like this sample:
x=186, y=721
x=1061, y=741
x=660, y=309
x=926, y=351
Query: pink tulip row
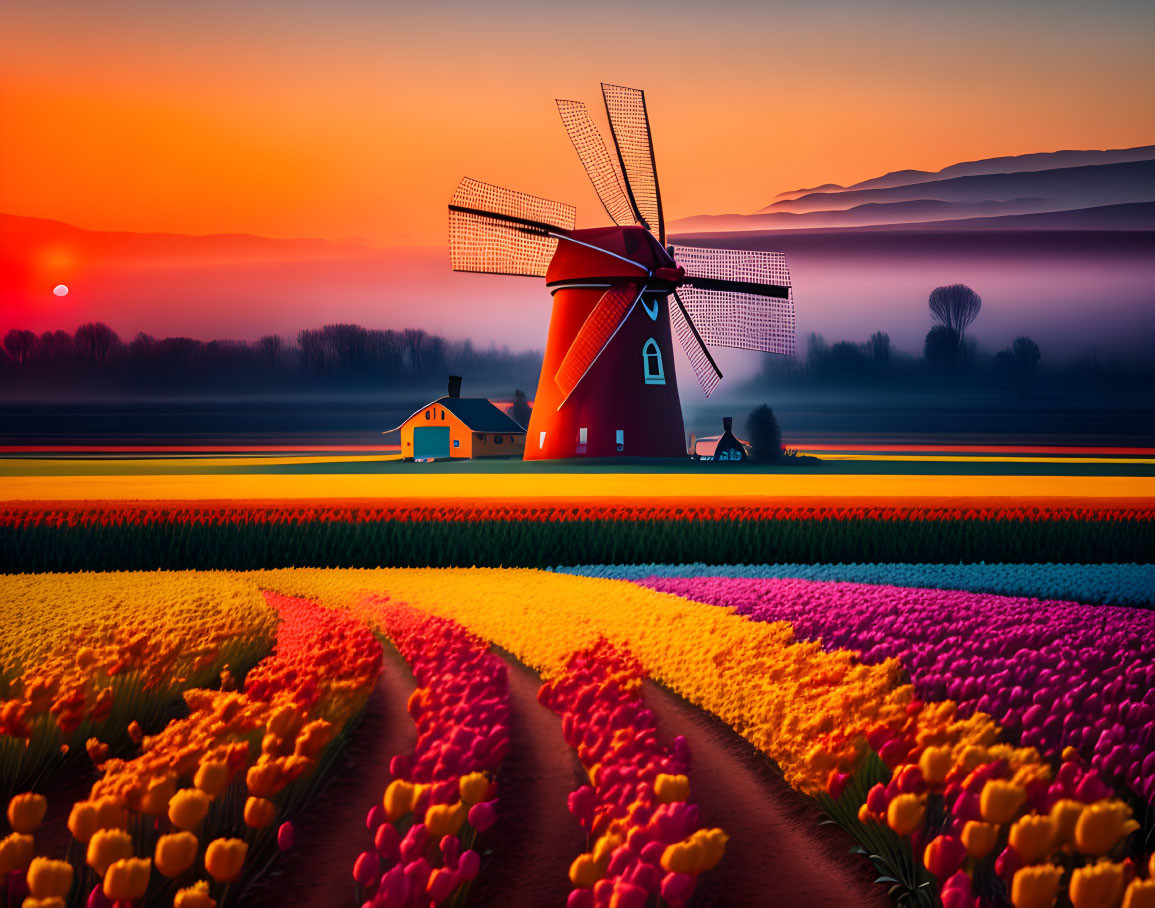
x=635, y=809
x=444, y=794
x=1056, y=674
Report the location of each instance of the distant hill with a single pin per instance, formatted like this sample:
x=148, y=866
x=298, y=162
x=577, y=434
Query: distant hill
x=916, y=212
x=1051, y=160
x=794, y=193
x=19, y=235
x=1061, y=188
x=1028, y=192
x=1134, y=217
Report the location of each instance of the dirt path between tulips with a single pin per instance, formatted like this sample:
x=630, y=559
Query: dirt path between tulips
x=536, y=837
x=778, y=854
x=331, y=832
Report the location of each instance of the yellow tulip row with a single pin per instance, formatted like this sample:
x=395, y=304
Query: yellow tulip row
x=84, y=655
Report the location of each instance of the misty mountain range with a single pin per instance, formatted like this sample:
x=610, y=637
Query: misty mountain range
x=1048, y=160
x=1102, y=185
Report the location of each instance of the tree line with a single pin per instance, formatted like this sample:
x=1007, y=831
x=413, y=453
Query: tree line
x=332, y=356
x=949, y=357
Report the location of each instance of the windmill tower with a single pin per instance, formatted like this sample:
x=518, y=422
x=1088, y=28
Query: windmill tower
x=607, y=385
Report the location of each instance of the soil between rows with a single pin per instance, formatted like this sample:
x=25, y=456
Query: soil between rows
x=331, y=831
x=777, y=855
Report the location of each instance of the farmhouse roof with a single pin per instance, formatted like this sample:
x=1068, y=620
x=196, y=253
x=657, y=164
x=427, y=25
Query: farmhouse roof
x=479, y=414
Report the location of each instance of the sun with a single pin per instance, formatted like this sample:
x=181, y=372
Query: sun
x=60, y=290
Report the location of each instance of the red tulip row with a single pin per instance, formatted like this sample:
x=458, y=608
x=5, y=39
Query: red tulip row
x=636, y=808
x=444, y=794
x=33, y=514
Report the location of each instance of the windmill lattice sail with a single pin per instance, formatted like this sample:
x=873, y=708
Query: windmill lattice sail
x=739, y=298
x=602, y=169
x=705, y=369
x=630, y=125
x=500, y=231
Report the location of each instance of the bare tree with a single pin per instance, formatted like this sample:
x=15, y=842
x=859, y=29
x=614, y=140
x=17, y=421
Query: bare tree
x=270, y=346
x=955, y=306
x=96, y=342
x=1026, y=352
x=19, y=343
x=879, y=344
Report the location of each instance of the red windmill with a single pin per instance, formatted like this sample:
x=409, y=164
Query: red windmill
x=607, y=385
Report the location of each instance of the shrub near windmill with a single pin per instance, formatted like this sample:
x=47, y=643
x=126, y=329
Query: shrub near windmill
x=607, y=385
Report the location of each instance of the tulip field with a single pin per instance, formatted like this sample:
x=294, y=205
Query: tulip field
x=222, y=686
x=179, y=738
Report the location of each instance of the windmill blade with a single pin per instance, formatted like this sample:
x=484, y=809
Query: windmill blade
x=739, y=298
x=705, y=369
x=630, y=125
x=499, y=231
x=595, y=334
x=602, y=170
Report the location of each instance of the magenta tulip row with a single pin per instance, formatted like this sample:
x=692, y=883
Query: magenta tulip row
x=444, y=794
x=636, y=811
x=1055, y=674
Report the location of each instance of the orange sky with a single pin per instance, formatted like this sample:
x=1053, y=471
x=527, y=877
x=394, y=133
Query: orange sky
x=355, y=119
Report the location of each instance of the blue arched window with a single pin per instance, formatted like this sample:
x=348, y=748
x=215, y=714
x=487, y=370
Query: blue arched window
x=652, y=363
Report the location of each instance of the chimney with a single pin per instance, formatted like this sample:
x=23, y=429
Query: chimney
x=454, y=385
x=727, y=423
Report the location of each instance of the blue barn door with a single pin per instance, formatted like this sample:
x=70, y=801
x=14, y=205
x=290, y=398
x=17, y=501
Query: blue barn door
x=431, y=441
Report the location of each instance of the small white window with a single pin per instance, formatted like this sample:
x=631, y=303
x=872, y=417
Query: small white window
x=583, y=435
x=652, y=363
x=620, y=436
x=541, y=440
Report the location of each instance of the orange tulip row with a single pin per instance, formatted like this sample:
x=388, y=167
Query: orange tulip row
x=235, y=757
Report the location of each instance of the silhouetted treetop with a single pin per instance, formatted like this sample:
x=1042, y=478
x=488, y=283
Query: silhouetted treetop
x=764, y=435
x=955, y=306
x=96, y=342
x=941, y=346
x=1026, y=351
x=19, y=343
x=521, y=409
